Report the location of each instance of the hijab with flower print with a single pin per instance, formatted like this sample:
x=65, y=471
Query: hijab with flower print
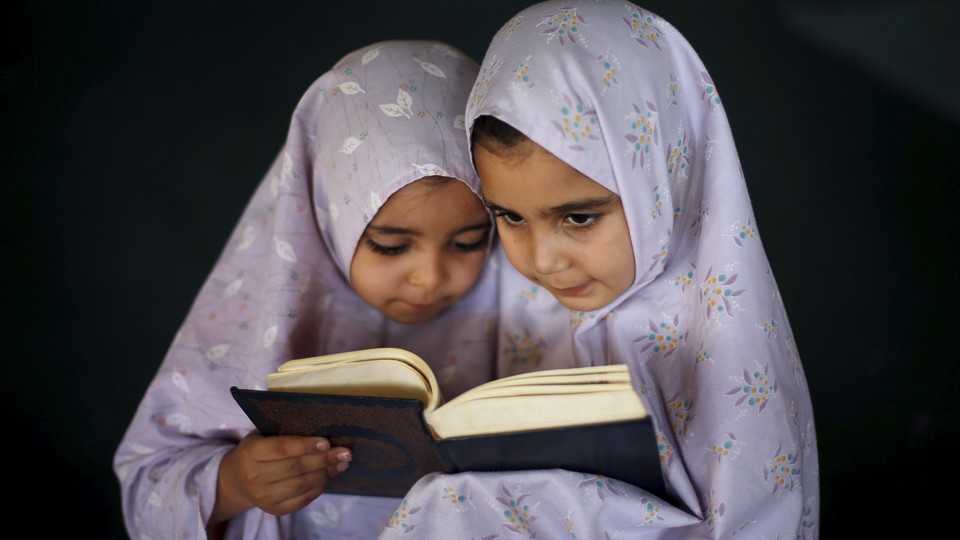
x=381, y=118
x=617, y=93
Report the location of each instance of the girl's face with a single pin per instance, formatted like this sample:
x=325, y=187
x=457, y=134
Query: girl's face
x=559, y=228
x=423, y=250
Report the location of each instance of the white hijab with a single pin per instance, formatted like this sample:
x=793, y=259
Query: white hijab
x=381, y=118
x=617, y=93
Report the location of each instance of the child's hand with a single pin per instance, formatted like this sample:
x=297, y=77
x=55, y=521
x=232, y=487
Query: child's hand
x=279, y=474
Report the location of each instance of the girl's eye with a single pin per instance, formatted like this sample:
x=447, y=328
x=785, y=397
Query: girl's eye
x=583, y=221
x=470, y=248
x=387, y=251
x=510, y=219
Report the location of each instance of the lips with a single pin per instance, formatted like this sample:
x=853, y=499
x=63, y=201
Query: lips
x=573, y=291
x=419, y=307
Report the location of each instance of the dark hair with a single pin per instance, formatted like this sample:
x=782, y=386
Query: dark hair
x=499, y=138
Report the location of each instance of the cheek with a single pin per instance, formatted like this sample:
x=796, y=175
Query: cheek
x=465, y=270
x=372, y=276
x=621, y=265
x=512, y=245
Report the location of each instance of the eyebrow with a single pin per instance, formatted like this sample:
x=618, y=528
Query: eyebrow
x=389, y=229
x=571, y=207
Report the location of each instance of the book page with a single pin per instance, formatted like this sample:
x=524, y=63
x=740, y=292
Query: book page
x=368, y=377
x=513, y=413
x=521, y=383
x=540, y=390
x=594, y=372
x=598, y=375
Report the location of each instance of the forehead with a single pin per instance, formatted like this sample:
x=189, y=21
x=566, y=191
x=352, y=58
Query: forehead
x=431, y=203
x=535, y=178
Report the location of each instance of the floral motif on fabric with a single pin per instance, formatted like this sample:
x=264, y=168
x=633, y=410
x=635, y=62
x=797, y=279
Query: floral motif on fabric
x=249, y=235
x=488, y=73
x=447, y=50
x=769, y=328
x=579, y=317
x=370, y=56
x=643, y=28
x=286, y=178
x=744, y=232
x=348, y=88
x=564, y=26
x=683, y=280
x=701, y=357
x=665, y=449
x=610, y=67
x=701, y=218
x=728, y=447
x=521, y=75
x=528, y=295
x=602, y=484
x=794, y=359
x=716, y=292
x=714, y=511
x=660, y=257
x=643, y=133
x=456, y=499
x=400, y=518
x=523, y=350
x=744, y=525
x=180, y=420
x=657, y=209
x=431, y=68
x=673, y=92
x=569, y=525
x=517, y=515
x=809, y=439
x=783, y=470
x=577, y=123
x=808, y=527
x=680, y=415
x=664, y=337
x=756, y=390
x=708, y=90
x=327, y=515
x=709, y=146
x=651, y=511
x=511, y=26
x=679, y=156
x=403, y=106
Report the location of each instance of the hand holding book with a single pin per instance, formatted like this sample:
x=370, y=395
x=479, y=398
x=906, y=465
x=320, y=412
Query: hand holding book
x=386, y=406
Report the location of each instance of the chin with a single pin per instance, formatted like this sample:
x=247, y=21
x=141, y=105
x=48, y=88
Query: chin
x=412, y=318
x=579, y=304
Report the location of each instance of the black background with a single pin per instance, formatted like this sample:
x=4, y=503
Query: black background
x=133, y=134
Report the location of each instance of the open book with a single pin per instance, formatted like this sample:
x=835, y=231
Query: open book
x=385, y=404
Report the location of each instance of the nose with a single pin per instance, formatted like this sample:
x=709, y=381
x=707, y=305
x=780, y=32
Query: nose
x=428, y=271
x=548, y=255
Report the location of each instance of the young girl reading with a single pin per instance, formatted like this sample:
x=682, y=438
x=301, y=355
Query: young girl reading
x=366, y=232
x=603, y=149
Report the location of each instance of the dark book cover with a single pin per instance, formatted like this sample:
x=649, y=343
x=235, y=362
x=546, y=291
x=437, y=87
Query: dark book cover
x=393, y=448
x=623, y=451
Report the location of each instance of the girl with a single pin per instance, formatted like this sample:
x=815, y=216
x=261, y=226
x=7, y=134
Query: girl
x=366, y=232
x=604, y=151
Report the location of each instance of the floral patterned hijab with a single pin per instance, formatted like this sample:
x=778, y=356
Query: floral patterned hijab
x=381, y=118
x=617, y=93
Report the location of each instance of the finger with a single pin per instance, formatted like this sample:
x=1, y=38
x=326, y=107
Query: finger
x=279, y=470
x=281, y=447
x=292, y=494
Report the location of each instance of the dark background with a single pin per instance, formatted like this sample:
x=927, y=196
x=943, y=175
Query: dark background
x=134, y=132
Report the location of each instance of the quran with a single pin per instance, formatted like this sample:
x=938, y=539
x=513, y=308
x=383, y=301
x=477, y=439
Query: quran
x=385, y=405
